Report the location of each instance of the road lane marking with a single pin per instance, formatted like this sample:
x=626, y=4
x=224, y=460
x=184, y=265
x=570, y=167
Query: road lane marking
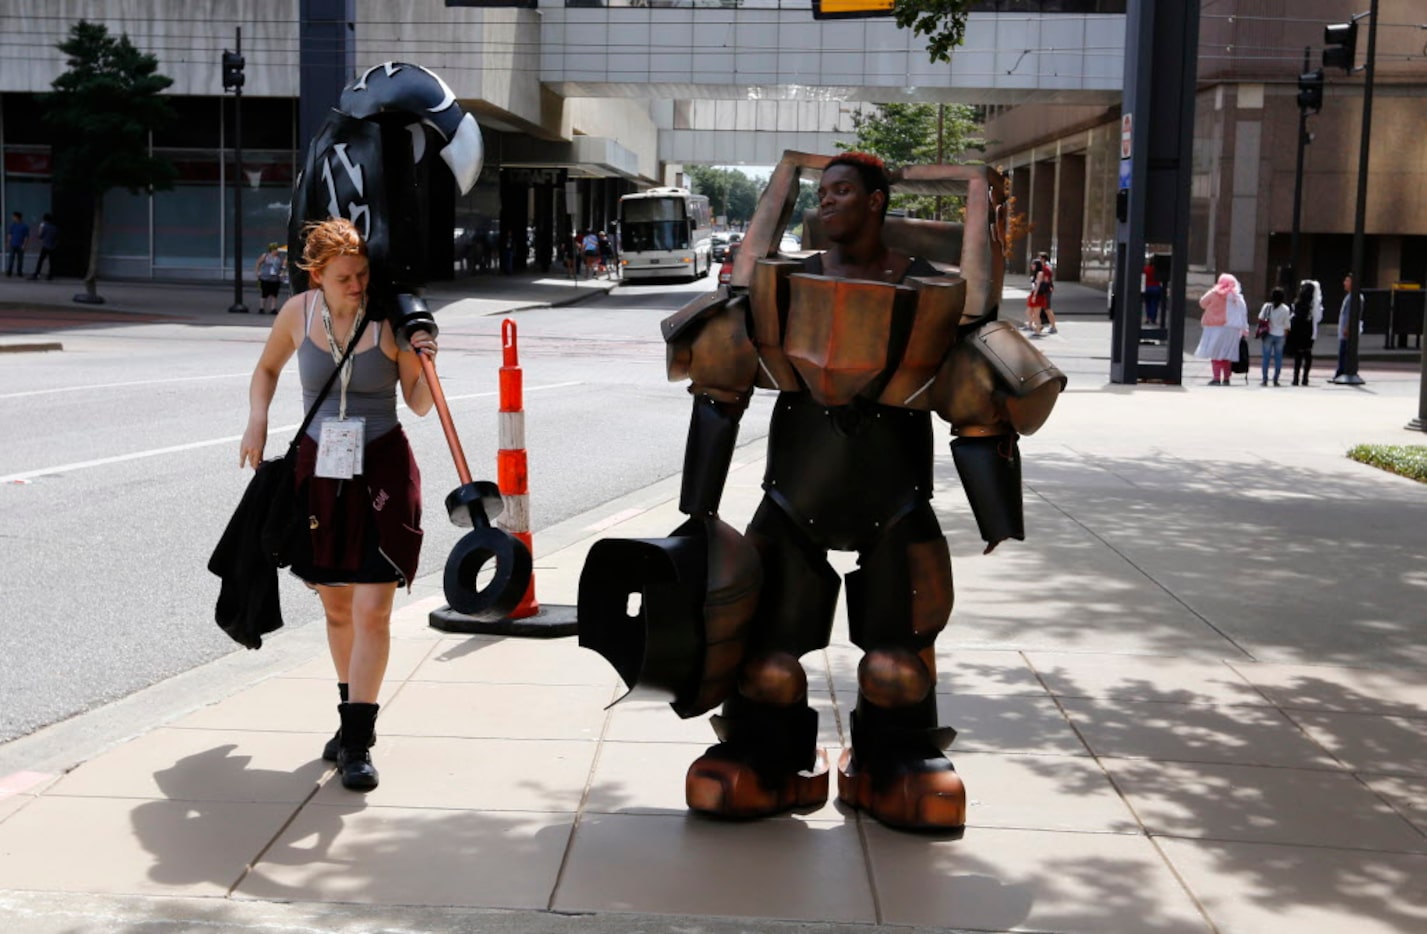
x=141, y=382
x=27, y=475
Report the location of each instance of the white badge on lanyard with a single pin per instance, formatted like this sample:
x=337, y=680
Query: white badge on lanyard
x=341, y=439
x=339, y=448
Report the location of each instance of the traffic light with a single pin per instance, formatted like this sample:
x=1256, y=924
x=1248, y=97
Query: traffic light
x=1340, y=42
x=1310, y=90
x=232, y=70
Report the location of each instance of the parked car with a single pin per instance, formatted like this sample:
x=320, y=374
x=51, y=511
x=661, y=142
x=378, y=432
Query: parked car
x=790, y=244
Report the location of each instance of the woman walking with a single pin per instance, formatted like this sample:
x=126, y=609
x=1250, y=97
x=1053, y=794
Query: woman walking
x=1303, y=328
x=1277, y=315
x=365, y=511
x=1225, y=321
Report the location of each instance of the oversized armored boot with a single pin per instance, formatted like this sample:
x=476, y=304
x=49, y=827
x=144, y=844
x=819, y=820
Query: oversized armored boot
x=768, y=759
x=896, y=769
x=354, y=759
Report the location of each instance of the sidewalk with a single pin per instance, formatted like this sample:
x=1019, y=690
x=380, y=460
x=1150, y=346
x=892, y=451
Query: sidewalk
x=1190, y=701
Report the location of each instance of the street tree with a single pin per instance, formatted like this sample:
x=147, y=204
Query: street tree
x=731, y=193
x=907, y=134
x=102, y=111
x=943, y=22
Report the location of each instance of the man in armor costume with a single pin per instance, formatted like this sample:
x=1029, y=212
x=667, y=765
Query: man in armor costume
x=862, y=342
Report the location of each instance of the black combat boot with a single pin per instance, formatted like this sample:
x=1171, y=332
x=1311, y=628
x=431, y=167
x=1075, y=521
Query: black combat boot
x=354, y=759
x=334, y=745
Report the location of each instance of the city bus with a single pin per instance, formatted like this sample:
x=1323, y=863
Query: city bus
x=665, y=233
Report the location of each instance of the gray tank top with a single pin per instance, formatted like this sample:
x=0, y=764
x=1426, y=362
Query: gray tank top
x=371, y=394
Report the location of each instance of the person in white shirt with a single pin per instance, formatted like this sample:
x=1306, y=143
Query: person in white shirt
x=1343, y=315
x=1277, y=314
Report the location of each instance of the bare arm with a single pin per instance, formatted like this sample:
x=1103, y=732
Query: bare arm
x=414, y=390
x=282, y=343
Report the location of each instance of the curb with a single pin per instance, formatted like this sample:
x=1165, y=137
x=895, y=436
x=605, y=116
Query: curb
x=31, y=348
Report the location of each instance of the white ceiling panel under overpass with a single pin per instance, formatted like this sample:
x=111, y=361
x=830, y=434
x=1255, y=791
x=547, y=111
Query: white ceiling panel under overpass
x=744, y=132
x=764, y=50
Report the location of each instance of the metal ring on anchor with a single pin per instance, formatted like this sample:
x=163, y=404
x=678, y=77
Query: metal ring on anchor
x=512, y=568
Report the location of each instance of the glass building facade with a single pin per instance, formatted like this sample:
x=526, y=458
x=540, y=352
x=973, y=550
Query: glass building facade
x=186, y=231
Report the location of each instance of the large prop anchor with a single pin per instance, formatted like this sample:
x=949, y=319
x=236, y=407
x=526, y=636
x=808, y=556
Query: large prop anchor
x=474, y=505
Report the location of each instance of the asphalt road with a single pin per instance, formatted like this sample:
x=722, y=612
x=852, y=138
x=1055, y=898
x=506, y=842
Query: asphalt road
x=119, y=471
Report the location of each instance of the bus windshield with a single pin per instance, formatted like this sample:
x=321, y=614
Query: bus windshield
x=640, y=236
x=654, y=224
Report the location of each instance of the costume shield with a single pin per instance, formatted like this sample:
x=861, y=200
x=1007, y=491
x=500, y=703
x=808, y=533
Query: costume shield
x=696, y=592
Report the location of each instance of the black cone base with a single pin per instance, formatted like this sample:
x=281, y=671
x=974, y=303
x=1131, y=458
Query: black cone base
x=551, y=621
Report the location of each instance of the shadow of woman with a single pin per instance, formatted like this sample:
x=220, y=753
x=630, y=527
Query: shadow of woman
x=218, y=815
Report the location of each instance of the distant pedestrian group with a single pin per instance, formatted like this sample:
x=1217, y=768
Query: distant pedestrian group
x=1282, y=329
x=1038, y=303
x=18, y=238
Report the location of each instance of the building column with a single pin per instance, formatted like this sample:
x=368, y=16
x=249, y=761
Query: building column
x=1070, y=217
x=1042, y=208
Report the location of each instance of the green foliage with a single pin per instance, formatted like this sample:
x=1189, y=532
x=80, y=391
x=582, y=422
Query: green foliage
x=942, y=21
x=906, y=134
x=731, y=193
x=1408, y=460
x=807, y=201
x=102, y=111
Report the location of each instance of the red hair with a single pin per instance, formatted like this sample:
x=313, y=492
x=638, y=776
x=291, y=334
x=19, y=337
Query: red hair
x=326, y=240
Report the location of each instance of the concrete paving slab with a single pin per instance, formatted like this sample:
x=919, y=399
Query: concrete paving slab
x=1297, y=807
x=413, y=856
x=1042, y=792
x=1369, y=742
x=1350, y=690
x=1143, y=678
x=1255, y=888
x=1183, y=733
x=1408, y=796
x=132, y=845
x=202, y=766
x=1029, y=880
x=790, y=870
x=475, y=774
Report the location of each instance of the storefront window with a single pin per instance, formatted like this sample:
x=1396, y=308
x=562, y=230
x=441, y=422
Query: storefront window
x=27, y=182
x=267, y=197
x=125, y=232
x=187, y=234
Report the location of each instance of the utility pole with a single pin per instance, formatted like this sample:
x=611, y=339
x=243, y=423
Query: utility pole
x=233, y=79
x=1310, y=100
x=1345, y=36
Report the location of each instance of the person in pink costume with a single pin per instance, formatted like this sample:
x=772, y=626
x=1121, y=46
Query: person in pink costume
x=1225, y=321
